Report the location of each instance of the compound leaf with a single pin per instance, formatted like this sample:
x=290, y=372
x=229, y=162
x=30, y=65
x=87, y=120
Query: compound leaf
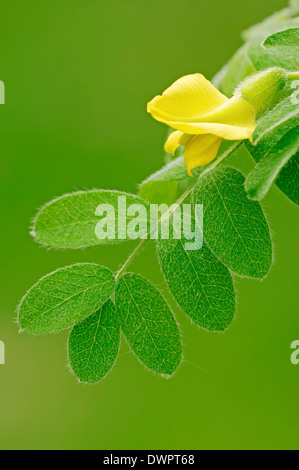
x=201, y=285
x=94, y=343
x=65, y=297
x=235, y=227
x=260, y=179
x=70, y=221
x=148, y=324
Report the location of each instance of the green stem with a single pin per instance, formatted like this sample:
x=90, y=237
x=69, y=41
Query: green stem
x=131, y=257
x=143, y=242
x=174, y=206
x=293, y=75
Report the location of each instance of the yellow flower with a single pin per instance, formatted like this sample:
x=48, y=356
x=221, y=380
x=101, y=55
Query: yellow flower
x=202, y=117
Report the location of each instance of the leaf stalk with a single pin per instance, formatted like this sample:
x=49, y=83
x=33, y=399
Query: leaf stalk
x=174, y=206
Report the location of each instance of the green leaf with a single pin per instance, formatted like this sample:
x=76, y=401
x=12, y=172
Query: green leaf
x=237, y=69
x=288, y=179
x=284, y=43
x=280, y=120
x=260, y=179
x=157, y=192
x=294, y=7
x=65, y=297
x=94, y=343
x=173, y=171
x=201, y=285
x=161, y=187
x=70, y=221
x=148, y=324
x=263, y=58
x=235, y=227
x=252, y=56
x=268, y=25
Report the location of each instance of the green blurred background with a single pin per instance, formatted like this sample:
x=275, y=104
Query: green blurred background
x=78, y=75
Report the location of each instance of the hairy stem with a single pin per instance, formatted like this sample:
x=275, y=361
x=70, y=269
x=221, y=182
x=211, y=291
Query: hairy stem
x=293, y=75
x=174, y=206
x=131, y=257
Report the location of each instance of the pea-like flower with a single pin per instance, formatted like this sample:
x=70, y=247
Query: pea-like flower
x=202, y=117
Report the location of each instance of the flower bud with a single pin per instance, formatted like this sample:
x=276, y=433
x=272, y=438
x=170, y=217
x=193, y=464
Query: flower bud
x=260, y=90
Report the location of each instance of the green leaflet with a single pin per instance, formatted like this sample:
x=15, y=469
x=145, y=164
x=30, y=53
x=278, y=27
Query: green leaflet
x=263, y=58
x=288, y=179
x=65, y=297
x=294, y=7
x=235, y=227
x=280, y=120
x=252, y=55
x=201, y=285
x=238, y=68
x=148, y=324
x=260, y=179
x=270, y=24
x=156, y=192
x=284, y=43
x=172, y=171
x=94, y=343
x=162, y=185
x=70, y=221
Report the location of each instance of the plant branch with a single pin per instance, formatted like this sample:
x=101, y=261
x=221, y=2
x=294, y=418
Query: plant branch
x=174, y=207
x=293, y=75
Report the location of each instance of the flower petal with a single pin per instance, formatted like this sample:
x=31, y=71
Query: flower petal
x=234, y=120
x=190, y=96
x=176, y=139
x=235, y=112
x=223, y=131
x=201, y=150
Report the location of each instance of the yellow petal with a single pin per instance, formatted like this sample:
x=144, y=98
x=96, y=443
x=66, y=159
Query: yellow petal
x=234, y=120
x=235, y=112
x=201, y=150
x=188, y=98
x=223, y=131
x=176, y=139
